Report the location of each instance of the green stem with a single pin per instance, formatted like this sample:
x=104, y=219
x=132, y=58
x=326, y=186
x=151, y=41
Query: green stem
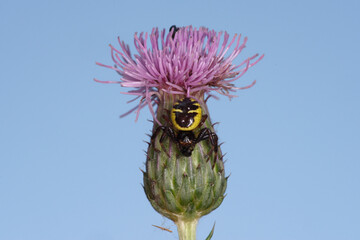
x=187, y=229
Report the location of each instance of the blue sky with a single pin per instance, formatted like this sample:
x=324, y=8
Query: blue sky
x=69, y=166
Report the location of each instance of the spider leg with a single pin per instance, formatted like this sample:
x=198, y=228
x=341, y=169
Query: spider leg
x=161, y=142
x=167, y=131
x=167, y=119
x=171, y=134
x=203, y=119
x=205, y=134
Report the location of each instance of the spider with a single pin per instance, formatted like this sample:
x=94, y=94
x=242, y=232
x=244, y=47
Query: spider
x=185, y=117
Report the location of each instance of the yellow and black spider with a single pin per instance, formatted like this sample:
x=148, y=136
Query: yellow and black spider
x=185, y=117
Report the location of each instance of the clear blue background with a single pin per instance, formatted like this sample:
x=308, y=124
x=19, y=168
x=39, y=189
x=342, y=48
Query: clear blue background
x=69, y=167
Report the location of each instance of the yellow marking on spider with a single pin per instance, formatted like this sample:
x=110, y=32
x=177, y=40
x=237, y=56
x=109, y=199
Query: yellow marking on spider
x=196, y=118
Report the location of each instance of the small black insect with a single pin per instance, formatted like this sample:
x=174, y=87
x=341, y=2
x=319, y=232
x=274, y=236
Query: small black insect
x=185, y=117
x=175, y=30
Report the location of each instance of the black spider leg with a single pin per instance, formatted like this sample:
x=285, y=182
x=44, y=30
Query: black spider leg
x=215, y=146
x=171, y=134
x=205, y=134
x=203, y=119
x=213, y=138
x=166, y=131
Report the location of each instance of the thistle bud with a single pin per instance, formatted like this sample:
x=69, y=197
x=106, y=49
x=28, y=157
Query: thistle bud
x=185, y=177
x=183, y=188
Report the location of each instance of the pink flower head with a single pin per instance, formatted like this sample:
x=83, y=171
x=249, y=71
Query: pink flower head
x=190, y=61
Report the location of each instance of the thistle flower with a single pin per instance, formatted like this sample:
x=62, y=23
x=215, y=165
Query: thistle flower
x=185, y=176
